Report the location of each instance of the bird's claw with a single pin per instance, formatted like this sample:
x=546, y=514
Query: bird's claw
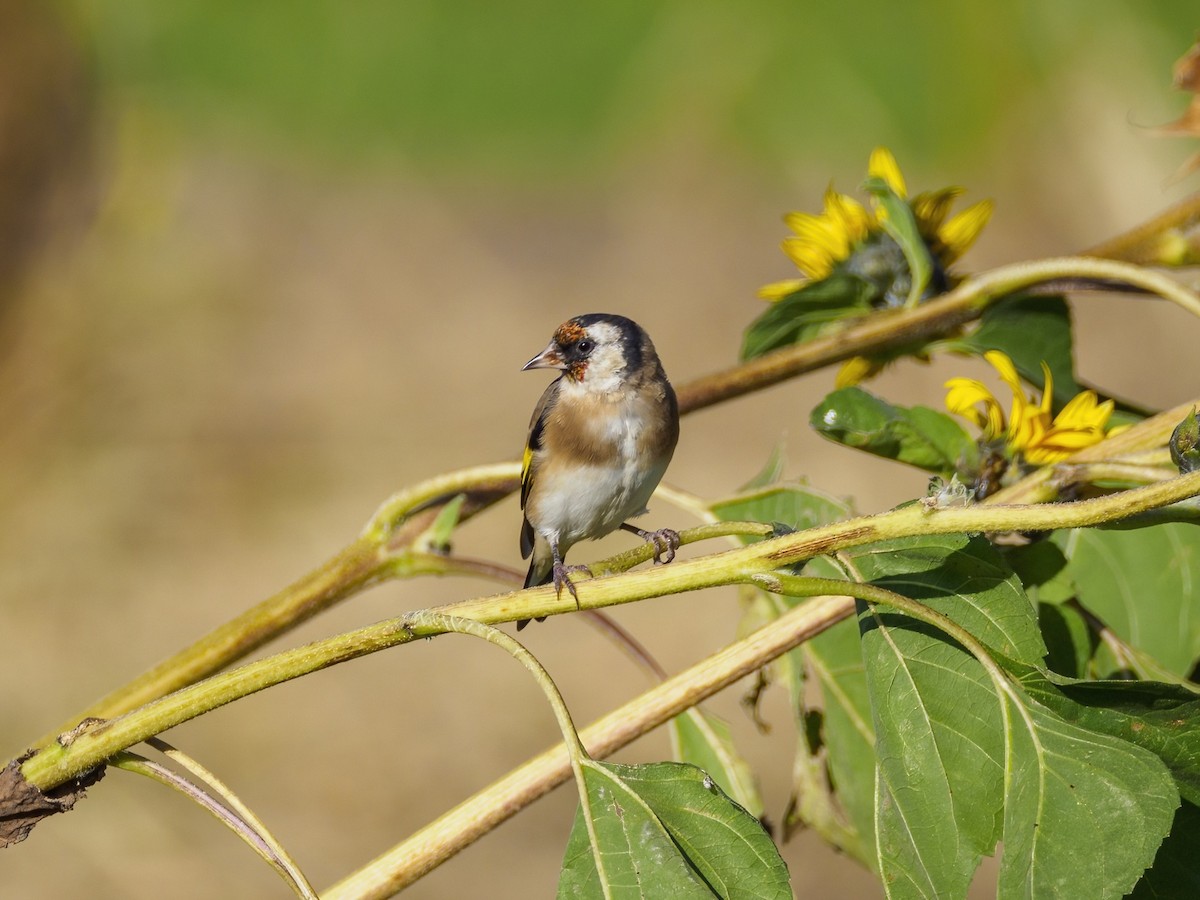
x=666, y=542
x=562, y=576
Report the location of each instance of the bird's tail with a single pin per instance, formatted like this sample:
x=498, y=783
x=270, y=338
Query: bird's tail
x=541, y=571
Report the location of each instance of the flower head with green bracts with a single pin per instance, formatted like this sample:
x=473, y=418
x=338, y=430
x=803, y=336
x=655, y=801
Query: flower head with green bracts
x=850, y=237
x=1030, y=430
x=855, y=258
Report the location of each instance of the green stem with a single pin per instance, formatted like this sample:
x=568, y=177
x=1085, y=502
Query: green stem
x=460, y=827
x=575, y=749
x=406, y=515
x=1124, y=473
x=431, y=622
x=1138, y=244
x=371, y=558
x=887, y=330
x=56, y=763
x=234, y=814
x=483, y=486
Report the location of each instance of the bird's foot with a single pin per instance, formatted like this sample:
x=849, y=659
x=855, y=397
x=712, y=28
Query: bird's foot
x=562, y=576
x=665, y=541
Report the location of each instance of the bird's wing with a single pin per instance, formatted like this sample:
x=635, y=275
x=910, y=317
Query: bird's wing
x=533, y=443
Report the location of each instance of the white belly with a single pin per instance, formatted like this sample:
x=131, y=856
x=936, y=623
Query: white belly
x=595, y=501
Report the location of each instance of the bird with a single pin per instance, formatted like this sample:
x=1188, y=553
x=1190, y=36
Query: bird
x=599, y=441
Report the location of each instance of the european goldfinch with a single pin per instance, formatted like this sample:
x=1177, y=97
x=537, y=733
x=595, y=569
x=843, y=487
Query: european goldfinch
x=599, y=442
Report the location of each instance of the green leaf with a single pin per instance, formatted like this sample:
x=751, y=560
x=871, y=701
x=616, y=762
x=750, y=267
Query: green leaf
x=832, y=655
x=808, y=313
x=443, y=526
x=919, y=436
x=667, y=830
x=797, y=506
x=835, y=663
x=1069, y=788
x=1029, y=330
x=901, y=224
x=771, y=472
x=1144, y=584
x=703, y=740
x=967, y=759
x=963, y=578
x=1175, y=875
x=1070, y=644
x=1162, y=718
x=1042, y=568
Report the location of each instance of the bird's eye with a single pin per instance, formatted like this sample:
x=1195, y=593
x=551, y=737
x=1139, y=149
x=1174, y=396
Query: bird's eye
x=585, y=346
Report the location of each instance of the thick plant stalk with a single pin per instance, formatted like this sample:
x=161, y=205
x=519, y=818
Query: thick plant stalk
x=55, y=764
x=385, y=547
x=470, y=820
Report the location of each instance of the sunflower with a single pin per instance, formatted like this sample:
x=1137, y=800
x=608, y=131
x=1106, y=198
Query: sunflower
x=1029, y=430
x=847, y=236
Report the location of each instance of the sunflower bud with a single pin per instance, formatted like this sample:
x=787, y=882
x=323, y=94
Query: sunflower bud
x=1185, y=444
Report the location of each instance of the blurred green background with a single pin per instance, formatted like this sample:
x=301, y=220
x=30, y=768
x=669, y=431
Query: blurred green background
x=262, y=264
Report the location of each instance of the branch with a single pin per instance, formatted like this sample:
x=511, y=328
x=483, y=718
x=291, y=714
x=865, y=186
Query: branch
x=886, y=330
x=57, y=763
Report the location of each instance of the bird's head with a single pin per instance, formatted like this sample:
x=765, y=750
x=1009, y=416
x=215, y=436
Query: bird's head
x=598, y=351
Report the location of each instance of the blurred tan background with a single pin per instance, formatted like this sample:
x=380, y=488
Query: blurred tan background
x=261, y=265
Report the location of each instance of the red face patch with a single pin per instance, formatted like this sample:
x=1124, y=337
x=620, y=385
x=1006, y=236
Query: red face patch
x=569, y=333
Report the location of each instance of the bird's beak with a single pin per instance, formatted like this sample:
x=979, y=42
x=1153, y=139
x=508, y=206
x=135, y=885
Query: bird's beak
x=549, y=358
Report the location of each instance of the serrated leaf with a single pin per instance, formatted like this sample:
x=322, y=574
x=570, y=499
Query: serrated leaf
x=967, y=759
x=1144, y=584
x=1029, y=330
x=917, y=435
x=961, y=577
x=1070, y=788
x=808, y=313
x=667, y=830
x=900, y=223
x=1161, y=718
x=703, y=740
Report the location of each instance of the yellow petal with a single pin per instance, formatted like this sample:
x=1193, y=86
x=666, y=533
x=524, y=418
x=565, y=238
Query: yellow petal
x=964, y=395
x=814, y=257
x=961, y=231
x=777, y=290
x=1047, y=390
x=800, y=222
x=1004, y=367
x=1027, y=432
x=1044, y=456
x=1018, y=432
x=931, y=208
x=855, y=370
x=1085, y=411
x=883, y=165
x=847, y=215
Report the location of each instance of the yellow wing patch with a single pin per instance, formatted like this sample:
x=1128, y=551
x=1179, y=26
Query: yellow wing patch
x=526, y=470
